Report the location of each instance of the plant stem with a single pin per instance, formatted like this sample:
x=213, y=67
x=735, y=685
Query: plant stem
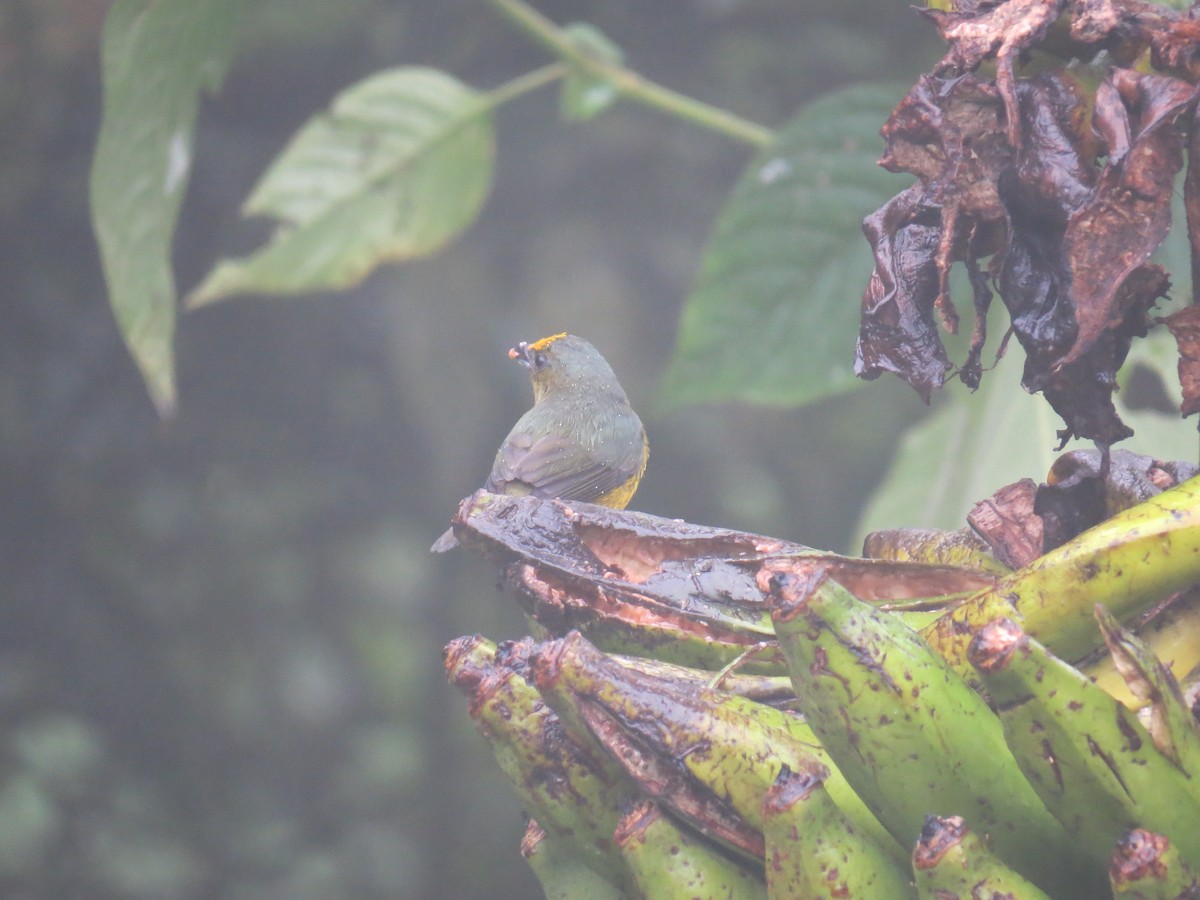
x=627, y=82
x=523, y=84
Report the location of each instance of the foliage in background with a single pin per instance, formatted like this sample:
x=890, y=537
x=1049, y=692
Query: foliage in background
x=233, y=611
x=158, y=58
x=592, y=78
x=400, y=164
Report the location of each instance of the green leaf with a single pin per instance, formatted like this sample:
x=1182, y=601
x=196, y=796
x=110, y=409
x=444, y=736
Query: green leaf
x=969, y=447
x=774, y=313
x=399, y=165
x=156, y=58
x=585, y=95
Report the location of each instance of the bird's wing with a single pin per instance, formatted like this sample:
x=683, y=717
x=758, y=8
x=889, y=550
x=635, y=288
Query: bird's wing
x=555, y=466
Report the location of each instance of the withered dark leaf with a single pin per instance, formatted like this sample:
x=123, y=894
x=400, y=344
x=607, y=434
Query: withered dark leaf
x=950, y=134
x=1125, y=28
x=971, y=371
x=1007, y=523
x=1053, y=171
x=1129, y=212
x=1051, y=178
x=1176, y=48
x=1069, y=193
x=1081, y=391
x=897, y=332
x=1185, y=328
x=1001, y=32
x=1094, y=21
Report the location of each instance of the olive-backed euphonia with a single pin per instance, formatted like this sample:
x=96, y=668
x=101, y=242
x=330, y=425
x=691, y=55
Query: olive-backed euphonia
x=580, y=441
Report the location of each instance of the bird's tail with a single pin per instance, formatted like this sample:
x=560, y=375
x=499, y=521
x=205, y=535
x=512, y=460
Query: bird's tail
x=446, y=542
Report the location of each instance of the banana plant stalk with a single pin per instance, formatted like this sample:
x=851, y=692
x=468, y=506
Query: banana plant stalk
x=962, y=548
x=1145, y=866
x=575, y=792
x=1087, y=755
x=814, y=852
x=560, y=871
x=707, y=756
x=668, y=863
x=1166, y=716
x=1126, y=563
x=950, y=860
x=909, y=735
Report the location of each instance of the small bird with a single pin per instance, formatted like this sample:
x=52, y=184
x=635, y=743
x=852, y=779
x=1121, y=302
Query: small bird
x=580, y=441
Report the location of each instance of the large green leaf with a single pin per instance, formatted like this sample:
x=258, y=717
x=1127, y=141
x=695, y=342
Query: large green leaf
x=399, y=165
x=157, y=56
x=970, y=446
x=774, y=313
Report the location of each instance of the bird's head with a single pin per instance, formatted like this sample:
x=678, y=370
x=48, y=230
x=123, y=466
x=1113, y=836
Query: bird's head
x=564, y=362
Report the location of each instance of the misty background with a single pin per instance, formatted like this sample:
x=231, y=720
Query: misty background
x=220, y=635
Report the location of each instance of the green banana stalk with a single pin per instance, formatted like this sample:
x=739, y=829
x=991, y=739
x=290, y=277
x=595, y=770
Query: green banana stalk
x=708, y=756
x=963, y=548
x=771, y=690
x=1169, y=720
x=1127, y=563
x=1145, y=866
x=560, y=871
x=579, y=693
x=687, y=686
x=813, y=851
x=908, y=734
x=1088, y=756
x=1172, y=635
x=574, y=791
x=951, y=861
x=668, y=863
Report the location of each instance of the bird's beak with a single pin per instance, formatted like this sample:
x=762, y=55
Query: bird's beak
x=522, y=354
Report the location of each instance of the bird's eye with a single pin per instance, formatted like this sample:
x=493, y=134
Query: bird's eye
x=539, y=360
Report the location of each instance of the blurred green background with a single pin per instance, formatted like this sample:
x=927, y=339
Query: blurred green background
x=220, y=636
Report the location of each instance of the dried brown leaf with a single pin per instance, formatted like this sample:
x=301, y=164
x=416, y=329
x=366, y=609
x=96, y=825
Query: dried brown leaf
x=1185, y=328
x=1007, y=523
x=1000, y=32
x=1129, y=212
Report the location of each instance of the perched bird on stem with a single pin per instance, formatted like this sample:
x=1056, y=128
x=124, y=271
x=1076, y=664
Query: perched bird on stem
x=580, y=441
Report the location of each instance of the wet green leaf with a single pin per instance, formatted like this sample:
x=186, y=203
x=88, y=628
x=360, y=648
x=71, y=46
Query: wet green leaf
x=399, y=164
x=774, y=313
x=156, y=59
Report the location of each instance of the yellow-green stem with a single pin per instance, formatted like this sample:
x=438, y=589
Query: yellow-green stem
x=523, y=84
x=628, y=83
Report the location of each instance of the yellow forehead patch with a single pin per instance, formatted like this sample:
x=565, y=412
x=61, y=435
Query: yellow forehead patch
x=546, y=341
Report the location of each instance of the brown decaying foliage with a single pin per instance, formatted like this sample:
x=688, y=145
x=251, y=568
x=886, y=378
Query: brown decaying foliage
x=1060, y=183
